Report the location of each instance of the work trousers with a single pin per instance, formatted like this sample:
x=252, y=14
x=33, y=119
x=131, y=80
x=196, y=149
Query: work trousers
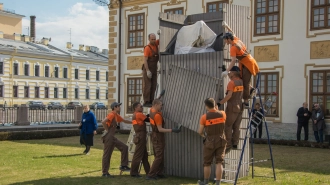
x=140, y=154
x=149, y=85
x=319, y=136
x=110, y=143
x=157, y=167
x=300, y=126
x=232, y=127
x=259, y=130
x=246, y=77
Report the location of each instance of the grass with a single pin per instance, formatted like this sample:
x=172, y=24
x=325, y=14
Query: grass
x=59, y=161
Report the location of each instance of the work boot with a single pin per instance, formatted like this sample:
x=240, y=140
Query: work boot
x=124, y=168
x=136, y=176
x=199, y=182
x=228, y=150
x=151, y=178
x=161, y=176
x=107, y=175
x=234, y=147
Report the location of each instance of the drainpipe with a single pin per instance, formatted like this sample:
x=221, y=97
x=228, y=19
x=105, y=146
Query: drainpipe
x=119, y=51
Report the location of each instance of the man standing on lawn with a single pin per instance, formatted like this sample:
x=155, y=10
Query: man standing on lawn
x=140, y=141
x=214, y=141
x=303, y=117
x=318, y=123
x=158, y=140
x=110, y=124
x=234, y=108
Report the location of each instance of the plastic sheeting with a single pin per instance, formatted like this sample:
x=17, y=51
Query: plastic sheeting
x=196, y=38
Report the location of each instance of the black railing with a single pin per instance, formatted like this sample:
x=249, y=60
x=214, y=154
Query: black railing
x=100, y=114
x=8, y=115
x=41, y=116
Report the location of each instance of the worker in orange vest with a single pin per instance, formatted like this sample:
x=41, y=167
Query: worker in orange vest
x=247, y=63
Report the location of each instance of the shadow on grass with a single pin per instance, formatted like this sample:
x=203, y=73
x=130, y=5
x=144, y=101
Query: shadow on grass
x=57, y=156
x=117, y=180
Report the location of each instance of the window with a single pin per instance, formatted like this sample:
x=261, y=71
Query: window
x=55, y=92
x=76, y=93
x=106, y=76
x=36, y=92
x=320, y=90
x=174, y=11
x=97, y=93
x=215, y=6
x=65, y=72
x=267, y=17
x=15, y=69
x=46, y=71
x=136, y=30
x=1, y=68
x=1, y=91
x=134, y=89
x=26, y=69
x=76, y=74
x=26, y=91
x=64, y=93
x=36, y=70
x=106, y=94
x=46, y=92
x=269, y=88
x=56, y=72
x=15, y=91
x=97, y=75
x=320, y=15
x=87, y=74
x=87, y=94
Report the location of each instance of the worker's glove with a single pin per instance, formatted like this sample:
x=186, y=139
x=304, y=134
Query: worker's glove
x=224, y=24
x=146, y=120
x=104, y=133
x=148, y=115
x=224, y=74
x=149, y=74
x=159, y=32
x=118, y=127
x=176, y=130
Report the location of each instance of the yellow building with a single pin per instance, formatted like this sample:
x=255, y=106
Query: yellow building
x=10, y=22
x=38, y=71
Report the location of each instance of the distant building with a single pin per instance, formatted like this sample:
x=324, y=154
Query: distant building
x=36, y=70
x=10, y=22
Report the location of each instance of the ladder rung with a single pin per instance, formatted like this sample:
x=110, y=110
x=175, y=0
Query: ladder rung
x=243, y=128
x=229, y=170
x=227, y=181
x=260, y=161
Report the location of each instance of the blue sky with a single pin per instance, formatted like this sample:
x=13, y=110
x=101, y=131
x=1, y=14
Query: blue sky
x=87, y=20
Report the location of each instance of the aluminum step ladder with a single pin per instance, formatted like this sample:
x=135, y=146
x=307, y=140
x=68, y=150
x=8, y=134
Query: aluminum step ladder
x=233, y=171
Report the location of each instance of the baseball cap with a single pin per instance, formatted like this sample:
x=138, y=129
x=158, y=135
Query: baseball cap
x=114, y=104
x=235, y=68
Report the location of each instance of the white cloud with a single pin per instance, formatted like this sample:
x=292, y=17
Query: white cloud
x=89, y=25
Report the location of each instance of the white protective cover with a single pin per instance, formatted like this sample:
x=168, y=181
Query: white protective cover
x=189, y=34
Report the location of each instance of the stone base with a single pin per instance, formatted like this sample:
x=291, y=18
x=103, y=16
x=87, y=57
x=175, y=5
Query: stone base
x=22, y=123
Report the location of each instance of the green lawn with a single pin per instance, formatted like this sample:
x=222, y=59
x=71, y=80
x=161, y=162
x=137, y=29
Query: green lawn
x=59, y=161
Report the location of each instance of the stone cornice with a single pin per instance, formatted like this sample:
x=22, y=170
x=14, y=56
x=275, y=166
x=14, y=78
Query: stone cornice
x=114, y=4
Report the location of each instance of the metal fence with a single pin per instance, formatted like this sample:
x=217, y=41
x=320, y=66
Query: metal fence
x=39, y=116
x=50, y=116
x=8, y=115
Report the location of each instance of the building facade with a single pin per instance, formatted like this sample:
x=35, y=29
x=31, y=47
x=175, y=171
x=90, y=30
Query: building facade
x=292, y=50
x=10, y=22
x=39, y=71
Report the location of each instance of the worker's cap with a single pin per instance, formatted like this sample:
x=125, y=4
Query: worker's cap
x=235, y=68
x=228, y=35
x=114, y=104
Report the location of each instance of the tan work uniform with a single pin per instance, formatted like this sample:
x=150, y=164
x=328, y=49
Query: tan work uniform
x=110, y=142
x=234, y=112
x=140, y=141
x=158, y=141
x=149, y=84
x=215, y=143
